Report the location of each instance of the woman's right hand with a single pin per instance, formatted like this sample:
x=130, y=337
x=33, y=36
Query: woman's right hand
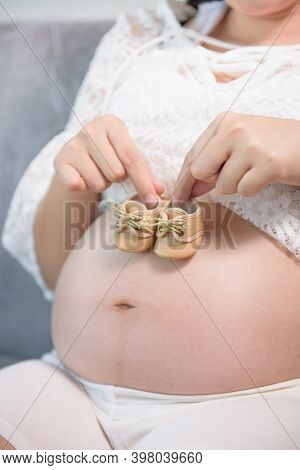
x=103, y=153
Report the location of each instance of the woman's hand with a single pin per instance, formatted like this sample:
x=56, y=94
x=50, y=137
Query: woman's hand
x=103, y=153
x=242, y=154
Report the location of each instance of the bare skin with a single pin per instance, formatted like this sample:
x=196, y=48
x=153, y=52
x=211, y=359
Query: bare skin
x=5, y=445
x=251, y=22
x=51, y=223
x=228, y=319
x=245, y=329
x=241, y=154
x=95, y=158
x=102, y=153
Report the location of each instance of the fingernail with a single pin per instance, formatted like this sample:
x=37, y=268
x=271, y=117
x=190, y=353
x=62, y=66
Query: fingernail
x=150, y=200
x=176, y=202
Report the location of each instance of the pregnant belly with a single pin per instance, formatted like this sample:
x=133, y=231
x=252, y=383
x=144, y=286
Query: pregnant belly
x=228, y=319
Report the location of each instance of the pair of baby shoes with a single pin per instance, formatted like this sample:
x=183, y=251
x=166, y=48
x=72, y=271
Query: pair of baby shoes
x=175, y=232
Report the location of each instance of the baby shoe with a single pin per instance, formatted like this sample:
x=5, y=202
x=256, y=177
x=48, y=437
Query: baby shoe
x=179, y=231
x=136, y=225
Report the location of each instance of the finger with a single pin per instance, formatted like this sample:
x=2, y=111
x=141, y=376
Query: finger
x=90, y=172
x=159, y=188
x=254, y=181
x=211, y=158
x=210, y=150
x=231, y=173
x=203, y=164
x=106, y=158
x=201, y=187
x=134, y=163
x=71, y=178
x=185, y=180
x=196, y=164
x=184, y=185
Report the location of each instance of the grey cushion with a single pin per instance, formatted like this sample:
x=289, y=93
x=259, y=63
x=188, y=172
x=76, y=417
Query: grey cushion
x=32, y=111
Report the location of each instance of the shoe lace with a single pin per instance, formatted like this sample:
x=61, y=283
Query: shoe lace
x=139, y=221
x=135, y=220
x=177, y=226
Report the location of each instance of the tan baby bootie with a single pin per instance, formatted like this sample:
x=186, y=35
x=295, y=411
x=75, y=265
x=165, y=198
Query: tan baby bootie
x=180, y=230
x=135, y=225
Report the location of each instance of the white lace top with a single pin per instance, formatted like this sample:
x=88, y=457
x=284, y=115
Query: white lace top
x=160, y=81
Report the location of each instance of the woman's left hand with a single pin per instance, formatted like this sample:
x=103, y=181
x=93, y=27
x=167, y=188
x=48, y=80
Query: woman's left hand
x=242, y=154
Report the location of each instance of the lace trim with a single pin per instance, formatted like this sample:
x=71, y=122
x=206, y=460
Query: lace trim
x=148, y=82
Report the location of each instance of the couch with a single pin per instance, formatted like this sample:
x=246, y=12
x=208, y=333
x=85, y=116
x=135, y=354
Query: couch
x=32, y=111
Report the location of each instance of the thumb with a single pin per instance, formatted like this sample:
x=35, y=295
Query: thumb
x=201, y=187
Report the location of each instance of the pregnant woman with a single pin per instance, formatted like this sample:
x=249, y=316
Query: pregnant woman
x=151, y=352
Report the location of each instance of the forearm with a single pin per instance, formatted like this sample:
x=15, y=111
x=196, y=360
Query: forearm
x=102, y=153
x=53, y=225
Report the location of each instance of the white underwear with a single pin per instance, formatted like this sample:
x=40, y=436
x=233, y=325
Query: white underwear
x=264, y=418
